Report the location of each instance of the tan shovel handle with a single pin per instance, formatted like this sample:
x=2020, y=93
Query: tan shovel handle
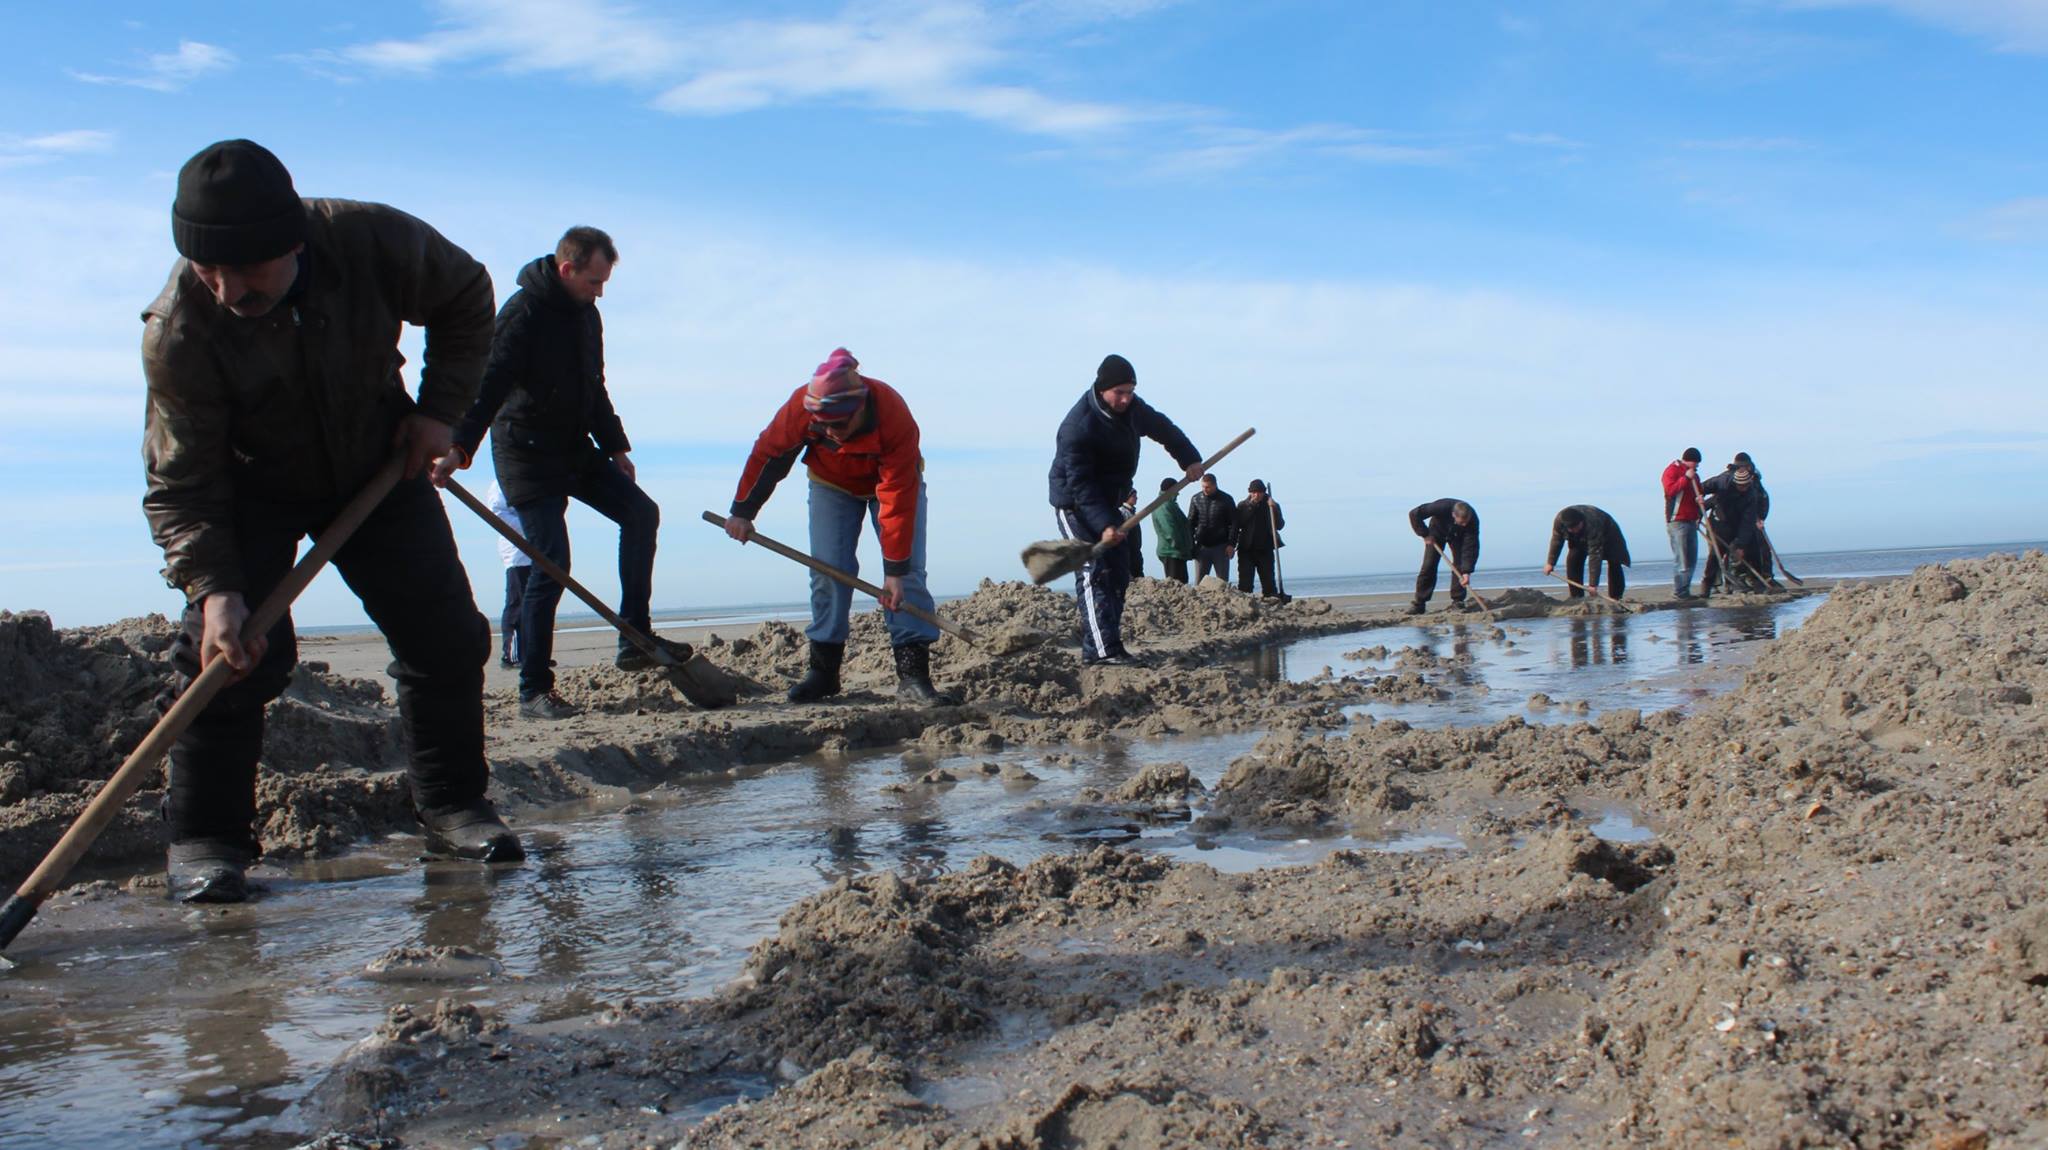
x=1453, y=565
x=216, y=674
x=853, y=581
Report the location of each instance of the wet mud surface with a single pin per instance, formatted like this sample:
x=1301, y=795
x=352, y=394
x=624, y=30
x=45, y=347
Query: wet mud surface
x=1815, y=897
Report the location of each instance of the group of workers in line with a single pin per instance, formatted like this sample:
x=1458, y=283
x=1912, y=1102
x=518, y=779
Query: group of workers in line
x=275, y=395
x=1732, y=505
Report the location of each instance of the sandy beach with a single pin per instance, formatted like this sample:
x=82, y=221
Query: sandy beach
x=1832, y=934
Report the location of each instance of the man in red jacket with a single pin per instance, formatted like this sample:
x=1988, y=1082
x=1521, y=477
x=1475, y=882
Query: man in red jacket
x=860, y=446
x=1682, y=518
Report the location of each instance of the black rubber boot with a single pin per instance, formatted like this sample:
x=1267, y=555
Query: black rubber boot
x=208, y=870
x=914, y=677
x=822, y=680
x=1416, y=607
x=470, y=831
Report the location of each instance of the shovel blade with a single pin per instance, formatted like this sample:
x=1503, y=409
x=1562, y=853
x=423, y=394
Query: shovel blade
x=705, y=683
x=1049, y=559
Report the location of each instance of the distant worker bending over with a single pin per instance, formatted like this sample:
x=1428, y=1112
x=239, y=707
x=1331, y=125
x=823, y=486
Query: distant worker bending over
x=1452, y=524
x=1588, y=536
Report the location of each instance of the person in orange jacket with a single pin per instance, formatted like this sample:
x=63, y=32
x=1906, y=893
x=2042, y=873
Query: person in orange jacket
x=860, y=446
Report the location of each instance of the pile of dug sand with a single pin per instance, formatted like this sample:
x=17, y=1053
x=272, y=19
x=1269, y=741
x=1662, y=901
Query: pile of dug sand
x=1837, y=936
x=73, y=704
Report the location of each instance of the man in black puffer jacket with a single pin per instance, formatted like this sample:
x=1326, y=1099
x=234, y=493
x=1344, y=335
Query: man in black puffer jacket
x=554, y=437
x=1093, y=462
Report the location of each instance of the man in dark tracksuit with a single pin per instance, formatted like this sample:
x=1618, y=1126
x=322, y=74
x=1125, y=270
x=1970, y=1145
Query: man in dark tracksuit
x=1453, y=524
x=1734, y=506
x=1762, y=559
x=1588, y=535
x=1094, y=460
x=1212, y=517
x=274, y=395
x=555, y=437
x=1258, y=538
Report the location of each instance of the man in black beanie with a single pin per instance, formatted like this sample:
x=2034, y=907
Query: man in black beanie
x=1094, y=459
x=274, y=395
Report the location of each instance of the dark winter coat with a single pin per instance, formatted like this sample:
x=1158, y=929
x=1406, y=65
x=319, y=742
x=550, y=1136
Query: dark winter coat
x=300, y=404
x=1433, y=522
x=1095, y=457
x=543, y=397
x=1213, y=519
x=1602, y=540
x=1255, y=526
x=1734, y=511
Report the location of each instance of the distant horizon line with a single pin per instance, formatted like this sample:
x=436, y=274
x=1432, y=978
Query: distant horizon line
x=762, y=611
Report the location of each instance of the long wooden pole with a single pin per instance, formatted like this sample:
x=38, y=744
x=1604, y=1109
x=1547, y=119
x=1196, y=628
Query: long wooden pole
x=128, y=779
x=853, y=581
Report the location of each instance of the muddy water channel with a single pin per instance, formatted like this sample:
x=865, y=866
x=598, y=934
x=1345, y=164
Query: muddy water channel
x=134, y=1021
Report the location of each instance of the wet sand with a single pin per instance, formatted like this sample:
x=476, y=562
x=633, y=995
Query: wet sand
x=1830, y=932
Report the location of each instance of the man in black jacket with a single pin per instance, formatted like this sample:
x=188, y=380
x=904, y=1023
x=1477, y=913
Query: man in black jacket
x=554, y=437
x=1588, y=536
x=1735, y=504
x=1212, y=518
x=1094, y=459
x=1453, y=524
x=1258, y=537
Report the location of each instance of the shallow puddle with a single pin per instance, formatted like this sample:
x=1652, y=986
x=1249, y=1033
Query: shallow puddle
x=1655, y=661
x=134, y=1021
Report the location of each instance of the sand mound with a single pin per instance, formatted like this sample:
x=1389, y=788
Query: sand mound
x=73, y=704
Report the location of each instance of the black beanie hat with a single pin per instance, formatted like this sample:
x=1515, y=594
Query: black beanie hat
x=1692, y=455
x=1116, y=371
x=1256, y=485
x=236, y=205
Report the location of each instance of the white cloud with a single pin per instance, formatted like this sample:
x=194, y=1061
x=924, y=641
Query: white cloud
x=966, y=58
x=2019, y=221
x=22, y=151
x=2012, y=25
x=169, y=71
x=1545, y=140
x=1214, y=148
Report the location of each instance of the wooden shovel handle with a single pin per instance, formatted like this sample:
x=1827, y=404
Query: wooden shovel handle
x=853, y=581
x=128, y=779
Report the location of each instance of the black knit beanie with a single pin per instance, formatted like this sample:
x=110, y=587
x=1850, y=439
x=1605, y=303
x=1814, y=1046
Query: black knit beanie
x=1116, y=371
x=236, y=206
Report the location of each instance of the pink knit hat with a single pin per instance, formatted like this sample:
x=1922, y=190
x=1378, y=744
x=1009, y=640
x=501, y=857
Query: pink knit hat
x=837, y=388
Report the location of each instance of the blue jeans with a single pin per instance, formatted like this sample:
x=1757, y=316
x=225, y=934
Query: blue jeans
x=605, y=490
x=1685, y=552
x=835, y=530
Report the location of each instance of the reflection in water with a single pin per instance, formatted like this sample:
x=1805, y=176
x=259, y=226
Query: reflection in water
x=132, y=1021
x=1650, y=662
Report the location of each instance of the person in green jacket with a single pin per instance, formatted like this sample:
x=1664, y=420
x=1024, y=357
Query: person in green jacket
x=1176, y=540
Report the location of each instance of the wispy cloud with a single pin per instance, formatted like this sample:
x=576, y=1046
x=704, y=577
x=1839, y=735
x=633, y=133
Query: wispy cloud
x=23, y=151
x=1216, y=148
x=1747, y=144
x=2011, y=25
x=2019, y=221
x=942, y=56
x=1545, y=140
x=168, y=71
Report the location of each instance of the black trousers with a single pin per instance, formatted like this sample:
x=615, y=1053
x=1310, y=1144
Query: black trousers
x=545, y=522
x=1176, y=569
x=1575, y=567
x=1260, y=562
x=1731, y=539
x=1466, y=553
x=1099, y=589
x=403, y=565
x=515, y=603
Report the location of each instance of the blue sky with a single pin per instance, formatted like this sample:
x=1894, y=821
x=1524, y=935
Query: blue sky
x=1521, y=254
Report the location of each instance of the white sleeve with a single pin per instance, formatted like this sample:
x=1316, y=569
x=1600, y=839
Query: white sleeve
x=495, y=500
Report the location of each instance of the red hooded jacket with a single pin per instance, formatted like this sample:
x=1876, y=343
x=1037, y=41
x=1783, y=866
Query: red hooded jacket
x=1679, y=501
x=880, y=461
